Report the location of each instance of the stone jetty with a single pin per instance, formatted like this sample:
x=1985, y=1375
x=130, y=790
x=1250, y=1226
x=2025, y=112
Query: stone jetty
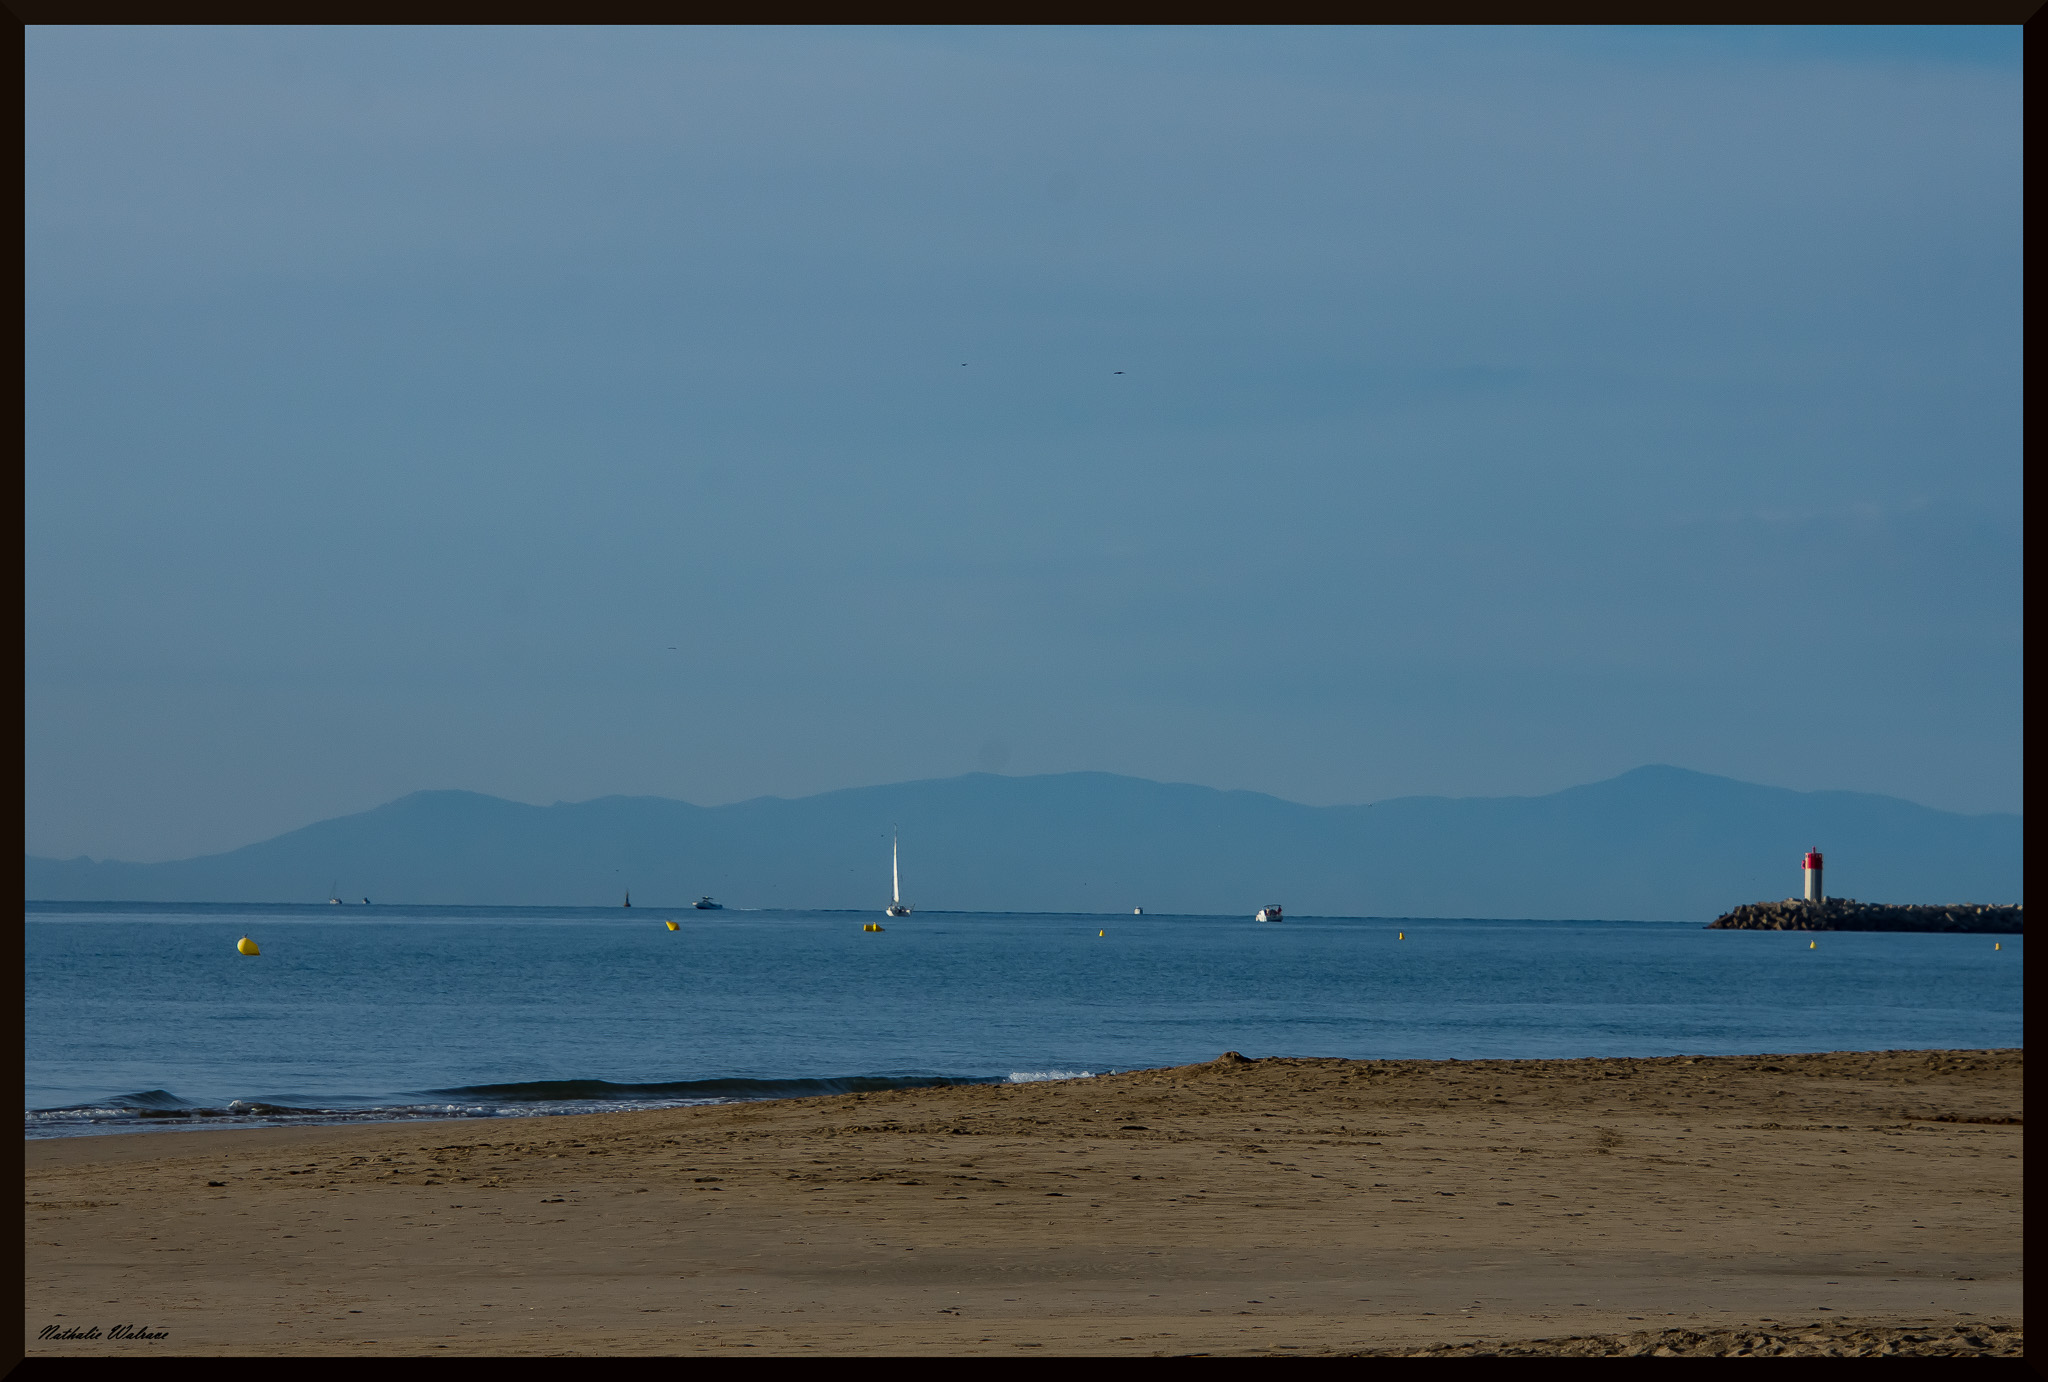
x=1847, y=914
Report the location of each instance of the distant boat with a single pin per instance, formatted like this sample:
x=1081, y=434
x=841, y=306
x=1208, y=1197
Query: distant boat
x=705, y=904
x=1269, y=912
x=897, y=907
x=366, y=902
x=1137, y=911
x=629, y=900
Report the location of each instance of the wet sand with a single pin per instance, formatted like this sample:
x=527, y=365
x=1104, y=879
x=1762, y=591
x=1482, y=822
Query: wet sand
x=1296, y=1206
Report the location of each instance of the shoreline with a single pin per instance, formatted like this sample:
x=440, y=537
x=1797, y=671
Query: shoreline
x=201, y=1119
x=442, y=1106
x=1280, y=1205
x=212, y=1120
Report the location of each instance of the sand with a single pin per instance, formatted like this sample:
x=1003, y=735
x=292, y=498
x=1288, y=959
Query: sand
x=1845, y=1202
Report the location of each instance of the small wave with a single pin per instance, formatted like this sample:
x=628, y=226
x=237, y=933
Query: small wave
x=261, y=1109
x=156, y=1099
x=84, y=1113
x=93, y=1118
x=1035, y=1076
x=161, y=1103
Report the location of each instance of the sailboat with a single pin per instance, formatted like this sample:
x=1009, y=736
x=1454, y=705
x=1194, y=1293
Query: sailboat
x=898, y=907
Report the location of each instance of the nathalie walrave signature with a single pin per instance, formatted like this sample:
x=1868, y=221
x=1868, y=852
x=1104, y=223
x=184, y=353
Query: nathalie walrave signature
x=93, y=1331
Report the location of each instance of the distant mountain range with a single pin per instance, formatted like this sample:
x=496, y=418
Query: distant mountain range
x=1658, y=843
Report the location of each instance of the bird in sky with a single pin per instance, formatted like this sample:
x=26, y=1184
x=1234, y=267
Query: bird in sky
x=1116, y=371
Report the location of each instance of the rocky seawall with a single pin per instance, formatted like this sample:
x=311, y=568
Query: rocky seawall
x=1847, y=914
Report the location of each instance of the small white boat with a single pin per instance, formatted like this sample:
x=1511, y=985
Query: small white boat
x=897, y=907
x=1269, y=912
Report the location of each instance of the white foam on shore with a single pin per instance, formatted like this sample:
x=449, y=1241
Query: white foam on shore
x=1034, y=1076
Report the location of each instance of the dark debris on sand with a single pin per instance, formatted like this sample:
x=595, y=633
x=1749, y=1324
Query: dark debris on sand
x=1833, y=1340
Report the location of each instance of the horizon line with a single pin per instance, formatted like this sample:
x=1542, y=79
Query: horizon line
x=327, y=910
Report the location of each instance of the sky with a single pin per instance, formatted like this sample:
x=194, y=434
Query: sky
x=712, y=413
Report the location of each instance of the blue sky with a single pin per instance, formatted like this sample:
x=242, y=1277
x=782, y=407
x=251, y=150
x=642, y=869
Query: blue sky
x=1498, y=410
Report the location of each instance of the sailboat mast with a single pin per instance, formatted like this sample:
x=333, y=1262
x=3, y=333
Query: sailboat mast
x=895, y=874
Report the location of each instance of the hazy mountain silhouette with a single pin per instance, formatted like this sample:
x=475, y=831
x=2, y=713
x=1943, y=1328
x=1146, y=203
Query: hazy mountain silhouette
x=1656, y=843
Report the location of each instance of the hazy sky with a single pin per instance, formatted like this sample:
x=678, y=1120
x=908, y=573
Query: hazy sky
x=1498, y=411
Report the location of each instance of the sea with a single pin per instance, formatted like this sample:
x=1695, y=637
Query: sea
x=146, y=1017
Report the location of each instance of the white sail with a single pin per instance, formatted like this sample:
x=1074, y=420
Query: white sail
x=897, y=906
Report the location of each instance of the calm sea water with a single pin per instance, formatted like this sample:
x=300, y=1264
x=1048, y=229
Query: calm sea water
x=148, y=1017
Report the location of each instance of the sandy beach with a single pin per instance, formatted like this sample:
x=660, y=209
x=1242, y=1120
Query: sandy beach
x=1848, y=1202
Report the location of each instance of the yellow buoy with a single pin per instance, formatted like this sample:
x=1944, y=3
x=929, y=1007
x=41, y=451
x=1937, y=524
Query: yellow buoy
x=1995, y=945
x=247, y=946
x=672, y=926
x=1401, y=936
x=1102, y=933
x=1813, y=945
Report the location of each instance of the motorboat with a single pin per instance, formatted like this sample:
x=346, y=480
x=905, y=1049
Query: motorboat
x=705, y=904
x=1269, y=912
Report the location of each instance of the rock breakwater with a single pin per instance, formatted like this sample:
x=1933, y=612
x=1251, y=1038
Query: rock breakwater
x=1847, y=914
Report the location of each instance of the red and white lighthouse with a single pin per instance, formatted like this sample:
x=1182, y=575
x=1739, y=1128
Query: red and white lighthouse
x=1814, y=891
